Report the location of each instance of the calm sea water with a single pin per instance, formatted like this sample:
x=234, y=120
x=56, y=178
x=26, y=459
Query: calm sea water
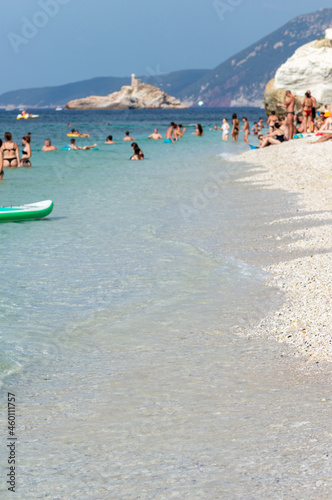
x=118, y=312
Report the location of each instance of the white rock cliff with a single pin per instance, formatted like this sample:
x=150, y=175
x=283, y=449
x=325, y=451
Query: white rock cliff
x=310, y=68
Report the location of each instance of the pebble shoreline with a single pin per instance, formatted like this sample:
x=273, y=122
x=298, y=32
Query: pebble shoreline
x=305, y=319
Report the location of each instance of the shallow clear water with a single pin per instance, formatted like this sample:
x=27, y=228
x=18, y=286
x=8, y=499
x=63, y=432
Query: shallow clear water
x=117, y=313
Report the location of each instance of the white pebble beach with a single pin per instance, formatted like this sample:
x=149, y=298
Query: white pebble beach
x=305, y=319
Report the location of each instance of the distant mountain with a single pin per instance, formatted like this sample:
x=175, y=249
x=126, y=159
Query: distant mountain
x=241, y=80
x=172, y=83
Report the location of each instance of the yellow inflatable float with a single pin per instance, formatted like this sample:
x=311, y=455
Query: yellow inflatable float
x=78, y=135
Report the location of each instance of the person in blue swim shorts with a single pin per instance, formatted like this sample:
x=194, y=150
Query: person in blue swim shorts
x=169, y=133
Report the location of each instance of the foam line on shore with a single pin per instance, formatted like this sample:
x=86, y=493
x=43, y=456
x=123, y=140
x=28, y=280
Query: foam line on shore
x=305, y=319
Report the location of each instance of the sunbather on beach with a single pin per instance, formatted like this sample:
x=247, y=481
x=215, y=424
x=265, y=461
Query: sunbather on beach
x=289, y=104
x=275, y=137
x=284, y=127
x=326, y=130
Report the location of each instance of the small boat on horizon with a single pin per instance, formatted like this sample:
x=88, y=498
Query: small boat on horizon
x=58, y=108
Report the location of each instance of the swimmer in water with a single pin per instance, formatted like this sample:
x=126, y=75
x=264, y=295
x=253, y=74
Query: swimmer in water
x=245, y=129
x=235, y=127
x=225, y=129
x=127, y=137
x=155, y=135
x=109, y=140
x=73, y=145
x=48, y=146
x=178, y=132
x=138, y=153
x=169, y=134
x=199, y=130
x=9, y=153
x=255, y=128
x=26, y=151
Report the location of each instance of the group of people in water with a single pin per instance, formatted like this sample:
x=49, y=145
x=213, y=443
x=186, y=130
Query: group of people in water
x=10, y=153
x=280, y=129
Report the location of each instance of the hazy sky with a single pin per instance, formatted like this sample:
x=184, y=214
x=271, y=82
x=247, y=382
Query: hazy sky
x=52, y=42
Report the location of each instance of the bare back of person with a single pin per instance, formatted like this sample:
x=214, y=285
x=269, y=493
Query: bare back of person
x=307, y=104
x=169, y=133
x=10, y=154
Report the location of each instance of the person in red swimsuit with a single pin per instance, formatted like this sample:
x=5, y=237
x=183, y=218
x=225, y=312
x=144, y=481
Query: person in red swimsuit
x=307, y=105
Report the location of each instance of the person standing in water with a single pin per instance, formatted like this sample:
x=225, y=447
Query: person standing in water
x=138, y=153
x=109, y=140
x=178, y=132
x=255, y=128
x=26, y=151
x=289, y=104
x=260, y=124
x=199, y=130
x=225, y=129
x=9, y=153
x=48, y=146
x=127, y=137
x=155, y=136
x=169, y=134
x=235, y=127
x=245, y=129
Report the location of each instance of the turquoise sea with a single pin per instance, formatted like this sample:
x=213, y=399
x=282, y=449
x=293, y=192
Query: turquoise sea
x=119, y=316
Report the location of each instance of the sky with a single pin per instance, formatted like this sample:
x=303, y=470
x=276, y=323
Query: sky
x=54, y=42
